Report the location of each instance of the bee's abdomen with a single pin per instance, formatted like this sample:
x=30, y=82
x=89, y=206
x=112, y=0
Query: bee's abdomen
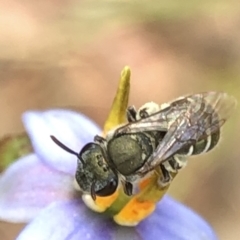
x=202, y=146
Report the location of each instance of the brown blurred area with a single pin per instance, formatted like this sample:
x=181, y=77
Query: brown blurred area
x=70, y=54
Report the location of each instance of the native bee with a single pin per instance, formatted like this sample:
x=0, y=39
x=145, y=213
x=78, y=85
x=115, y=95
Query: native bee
x=156, y=136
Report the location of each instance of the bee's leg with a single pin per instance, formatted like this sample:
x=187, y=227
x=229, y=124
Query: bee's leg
x=180, y=161
x=127, y=188
x=143, y=113
x=131, y=114
x=148, y=109
x=100, y=140
x=166, y=176
x=174, y=165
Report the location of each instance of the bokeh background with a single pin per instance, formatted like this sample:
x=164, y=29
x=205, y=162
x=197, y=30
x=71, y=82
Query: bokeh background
x=70, y=54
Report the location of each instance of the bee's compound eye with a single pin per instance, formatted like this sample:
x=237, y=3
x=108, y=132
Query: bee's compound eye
x=109, y=189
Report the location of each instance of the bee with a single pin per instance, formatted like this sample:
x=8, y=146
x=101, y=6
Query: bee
x=155, y=137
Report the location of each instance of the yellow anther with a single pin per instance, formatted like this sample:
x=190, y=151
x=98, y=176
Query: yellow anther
x=143, y=204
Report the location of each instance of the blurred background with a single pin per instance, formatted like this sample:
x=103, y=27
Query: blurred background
x=70, y=54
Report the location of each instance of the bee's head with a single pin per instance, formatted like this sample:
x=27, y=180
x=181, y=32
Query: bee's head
x=93, y=174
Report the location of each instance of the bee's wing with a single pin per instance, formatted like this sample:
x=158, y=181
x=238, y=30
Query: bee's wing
x=204, y=116
x=159, y=121
x=159, y=125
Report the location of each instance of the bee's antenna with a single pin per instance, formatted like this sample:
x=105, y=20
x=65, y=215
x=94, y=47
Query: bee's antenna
x=64, y=147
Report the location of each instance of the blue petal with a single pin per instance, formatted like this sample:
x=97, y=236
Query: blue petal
x=176, y=221
x=28, y=186
x=73, y=221
x=67, y=220
x=71, y=128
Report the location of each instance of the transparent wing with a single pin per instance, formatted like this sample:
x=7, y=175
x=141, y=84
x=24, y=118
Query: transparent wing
x=205, y=114
x=161, y=120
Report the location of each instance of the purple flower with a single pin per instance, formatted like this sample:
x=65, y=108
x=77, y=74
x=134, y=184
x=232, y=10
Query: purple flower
x=39, y=187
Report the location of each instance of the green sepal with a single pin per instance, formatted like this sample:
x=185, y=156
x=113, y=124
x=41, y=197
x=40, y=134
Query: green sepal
x=12, y=147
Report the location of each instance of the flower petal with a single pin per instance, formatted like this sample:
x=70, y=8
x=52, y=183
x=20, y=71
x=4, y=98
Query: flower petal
x=67, y=220
x=175, y=221
x=71, y=128
x=28, y=186
x=71, y=220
